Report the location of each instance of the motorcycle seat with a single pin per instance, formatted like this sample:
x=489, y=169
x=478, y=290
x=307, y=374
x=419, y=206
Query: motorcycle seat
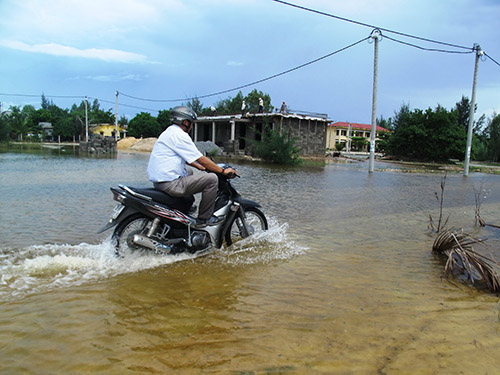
x=182, y=204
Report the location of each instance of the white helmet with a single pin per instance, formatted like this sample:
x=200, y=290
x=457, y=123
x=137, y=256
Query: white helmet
x=181, y=113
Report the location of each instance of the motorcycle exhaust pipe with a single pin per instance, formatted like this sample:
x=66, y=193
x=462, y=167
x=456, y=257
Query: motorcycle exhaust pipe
x=149, y=243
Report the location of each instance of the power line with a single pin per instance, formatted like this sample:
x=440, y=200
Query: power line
x=47, y=96
x=252, y=83
x=491, y=58
x=371, y=26
x=76, y=97
x=125, y=105
x=427, y=49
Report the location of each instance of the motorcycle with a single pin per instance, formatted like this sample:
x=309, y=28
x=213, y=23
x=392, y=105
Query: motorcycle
x=149, y=220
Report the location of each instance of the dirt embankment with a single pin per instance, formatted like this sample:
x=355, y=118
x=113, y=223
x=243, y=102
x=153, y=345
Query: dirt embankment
x=134, y=144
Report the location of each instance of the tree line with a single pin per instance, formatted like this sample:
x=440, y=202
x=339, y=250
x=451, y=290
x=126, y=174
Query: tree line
x=439, y=134
x=18, y=124
x=68, y=124
x=435, y=134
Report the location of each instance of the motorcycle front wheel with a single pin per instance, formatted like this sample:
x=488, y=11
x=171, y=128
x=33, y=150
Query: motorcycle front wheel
x=124, y=233
x=256, y=221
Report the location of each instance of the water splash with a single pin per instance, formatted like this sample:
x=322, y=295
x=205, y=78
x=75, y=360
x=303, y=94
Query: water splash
x=262, y=247
x=40, y=268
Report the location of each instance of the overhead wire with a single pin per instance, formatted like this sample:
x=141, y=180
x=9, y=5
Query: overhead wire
x=468, y=51
x=76, y=97
x=427, y=49
x=491, y=58
x=368, y=25
x=252, y=83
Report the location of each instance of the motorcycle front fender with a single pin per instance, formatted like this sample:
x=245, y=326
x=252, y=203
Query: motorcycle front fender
x=248, y=203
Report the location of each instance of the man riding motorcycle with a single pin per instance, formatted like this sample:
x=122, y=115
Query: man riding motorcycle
x=167, y=166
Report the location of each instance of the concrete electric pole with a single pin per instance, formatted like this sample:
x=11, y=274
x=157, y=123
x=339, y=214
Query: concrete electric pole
x=375, y=35
x=116, y=118
x=86, y=122
x=479, y=53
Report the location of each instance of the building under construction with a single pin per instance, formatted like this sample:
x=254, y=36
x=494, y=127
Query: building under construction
x=236, y=133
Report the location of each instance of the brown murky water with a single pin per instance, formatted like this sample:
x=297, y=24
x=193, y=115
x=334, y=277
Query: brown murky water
x=342, y=283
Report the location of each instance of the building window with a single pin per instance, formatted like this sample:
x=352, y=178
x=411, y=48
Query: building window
x=344, y=133
x=338, y=131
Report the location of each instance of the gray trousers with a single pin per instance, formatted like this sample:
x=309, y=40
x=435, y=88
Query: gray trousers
x=204, y=183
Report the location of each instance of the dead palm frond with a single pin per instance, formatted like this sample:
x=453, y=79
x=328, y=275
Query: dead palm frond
x=456, y=246
x=479, y=196
x=440, y=225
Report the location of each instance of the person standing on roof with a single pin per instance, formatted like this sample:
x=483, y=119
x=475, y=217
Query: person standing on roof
x=283, y=108
x=167, y=165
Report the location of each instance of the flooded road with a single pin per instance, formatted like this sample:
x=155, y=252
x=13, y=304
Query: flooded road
x=344, y=281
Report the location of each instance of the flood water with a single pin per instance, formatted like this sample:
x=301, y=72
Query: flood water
x=344, y=281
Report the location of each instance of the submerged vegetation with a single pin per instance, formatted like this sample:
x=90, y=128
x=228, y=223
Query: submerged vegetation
x=457, y=247
x=461, y=259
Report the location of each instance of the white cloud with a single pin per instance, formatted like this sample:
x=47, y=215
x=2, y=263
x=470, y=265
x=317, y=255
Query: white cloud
x=108, y=55
x=81, y=19
x=115, y=77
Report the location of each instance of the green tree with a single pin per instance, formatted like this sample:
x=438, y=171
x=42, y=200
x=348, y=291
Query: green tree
x=18, y=122
x=252, y=101
x=5, y=128
x=277, y=148
x=123, y=120
x=195, y=105
x=164, y=118
x=358, y=143
x=493, y=138
x=61, y=125
x=385, y=123
x=431, y=135
x=100, y=116
x=46, y=103
x=144, y=125
x=230, y=105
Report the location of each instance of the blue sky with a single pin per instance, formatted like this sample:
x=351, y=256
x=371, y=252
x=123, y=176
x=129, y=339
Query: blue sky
x=172, y=49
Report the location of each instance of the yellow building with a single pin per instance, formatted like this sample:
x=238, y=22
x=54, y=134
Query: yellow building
x=108, y=130
x=344, y=132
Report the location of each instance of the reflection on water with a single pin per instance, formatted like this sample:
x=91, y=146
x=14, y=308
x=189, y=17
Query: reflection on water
x=343, y=282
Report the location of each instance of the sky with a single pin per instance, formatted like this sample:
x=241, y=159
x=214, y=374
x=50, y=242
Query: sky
x=168, y=51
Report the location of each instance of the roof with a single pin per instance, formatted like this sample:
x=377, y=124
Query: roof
x=239, y=117
x=354, y=125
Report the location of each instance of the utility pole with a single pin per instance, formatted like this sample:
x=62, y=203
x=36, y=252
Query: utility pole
x=116, y=118
x=479, y=53
x=86, y=122
x=349, y=130
x=375, y=35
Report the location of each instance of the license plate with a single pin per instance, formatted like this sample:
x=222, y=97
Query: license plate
x=117, y=211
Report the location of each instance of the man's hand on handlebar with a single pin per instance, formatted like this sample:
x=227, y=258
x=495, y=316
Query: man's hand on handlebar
x=229, y=172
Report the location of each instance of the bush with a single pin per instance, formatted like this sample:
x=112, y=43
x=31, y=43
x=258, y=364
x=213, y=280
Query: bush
x=277, y=148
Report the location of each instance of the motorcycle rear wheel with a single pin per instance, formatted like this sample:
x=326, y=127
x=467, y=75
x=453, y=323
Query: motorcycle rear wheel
x=124, y=232
x=255, y=220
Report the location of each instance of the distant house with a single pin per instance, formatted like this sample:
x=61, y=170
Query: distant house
x=346, y=132
x=48, y=131
x=235, y=133
x=108, y=130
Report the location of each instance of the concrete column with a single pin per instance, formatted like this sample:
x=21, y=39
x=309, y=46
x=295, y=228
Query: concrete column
x=196, y=132
x=233, y=129
x=213, y=131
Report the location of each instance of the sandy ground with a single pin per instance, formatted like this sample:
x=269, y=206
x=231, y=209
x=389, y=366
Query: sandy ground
x=134, y=144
